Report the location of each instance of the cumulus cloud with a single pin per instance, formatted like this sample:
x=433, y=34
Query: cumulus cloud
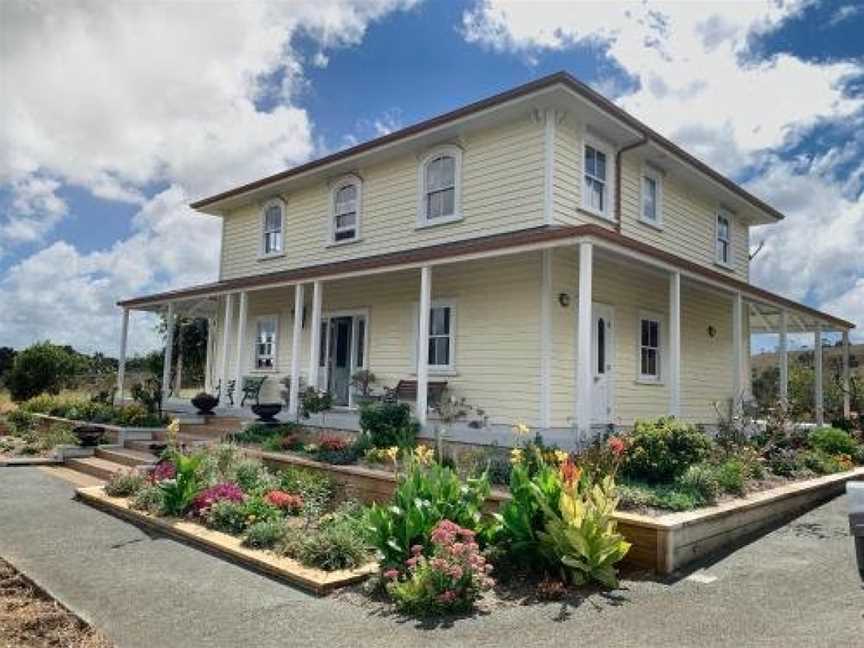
x=695, y=77
x=119, y=98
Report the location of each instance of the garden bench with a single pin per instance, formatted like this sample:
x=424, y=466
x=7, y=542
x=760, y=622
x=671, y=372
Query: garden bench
x=251, y=388
x=407, y=390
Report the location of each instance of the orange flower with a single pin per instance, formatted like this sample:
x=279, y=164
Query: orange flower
x=617, y=445
x=570, y=472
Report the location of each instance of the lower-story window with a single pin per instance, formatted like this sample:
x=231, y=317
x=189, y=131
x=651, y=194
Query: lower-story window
x=265, y=342
x=440, y=345
x=649, y=348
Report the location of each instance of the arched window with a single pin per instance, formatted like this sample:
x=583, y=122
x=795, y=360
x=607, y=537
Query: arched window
x=440, y=190
x=272, y=228
x=345, y=208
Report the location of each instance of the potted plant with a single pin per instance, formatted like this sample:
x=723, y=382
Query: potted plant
x=88, y=435
x=266, y=412
x=205, y=403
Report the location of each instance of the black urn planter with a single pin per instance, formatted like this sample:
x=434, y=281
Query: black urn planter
x=205, y=403
x=267, y=412
x=88, y=435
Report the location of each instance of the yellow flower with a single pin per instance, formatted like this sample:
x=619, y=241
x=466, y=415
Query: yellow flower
x=521, y=429
x=516, y=456
x=172, y=431
x=392, y=453
x=561, y=456
x=424, y=454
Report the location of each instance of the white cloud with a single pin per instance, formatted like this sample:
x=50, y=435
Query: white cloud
x=698, y=82
x=121, y=97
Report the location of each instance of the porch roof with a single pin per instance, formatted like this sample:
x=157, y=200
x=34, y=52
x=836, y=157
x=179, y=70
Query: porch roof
x=508, y=243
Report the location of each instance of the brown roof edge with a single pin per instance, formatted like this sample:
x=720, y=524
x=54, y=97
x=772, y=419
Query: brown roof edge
x=471, y=246
x=563, y=78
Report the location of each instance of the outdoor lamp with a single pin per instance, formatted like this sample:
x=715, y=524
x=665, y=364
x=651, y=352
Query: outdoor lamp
x=855, y=492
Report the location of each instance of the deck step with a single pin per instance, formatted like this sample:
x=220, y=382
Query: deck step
x=127, y=456
x=97, y=467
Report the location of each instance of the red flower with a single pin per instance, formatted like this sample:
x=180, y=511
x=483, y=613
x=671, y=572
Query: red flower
x=570, y=472
x=617, y=446
x=284, y=501
x=333, y=443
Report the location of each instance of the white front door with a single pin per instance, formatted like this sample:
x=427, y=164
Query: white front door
x=602, y=363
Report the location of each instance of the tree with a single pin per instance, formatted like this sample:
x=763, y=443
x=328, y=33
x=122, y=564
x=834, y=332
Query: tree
x=42, y=367
x=7, y=358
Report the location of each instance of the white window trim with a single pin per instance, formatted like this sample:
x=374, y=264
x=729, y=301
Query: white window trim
x=594, y=142
x=345, y=181
x=261, y=222
x=724, y=213
x=436, y=370
x=456, y=153
x=656, y=175
x=275, y=367
x=641, y=378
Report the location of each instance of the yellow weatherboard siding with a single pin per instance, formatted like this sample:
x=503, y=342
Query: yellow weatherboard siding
x=502, y=187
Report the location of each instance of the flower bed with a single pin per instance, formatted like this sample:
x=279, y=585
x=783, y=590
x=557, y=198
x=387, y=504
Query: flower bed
x=93, y=412
x=26, y=439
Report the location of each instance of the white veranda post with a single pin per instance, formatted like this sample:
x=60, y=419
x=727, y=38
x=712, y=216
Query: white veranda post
x=121, y=363
x=315, y=334
x=784, y=359
x=675, y=344
x=737, y=352
x=817, y=361
x=423, y=344
x=226, y=346
x=169, y=350
x=294, y=388
x=583, y=343
x=241, y=346
x=847, y=410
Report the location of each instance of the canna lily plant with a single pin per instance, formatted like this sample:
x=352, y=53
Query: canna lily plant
x=580, y=533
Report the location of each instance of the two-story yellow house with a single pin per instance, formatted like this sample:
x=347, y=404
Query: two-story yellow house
x=544, y=253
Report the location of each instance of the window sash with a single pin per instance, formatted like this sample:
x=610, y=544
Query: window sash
x=345, y=213
x=440, y=187
x=265, y=344
x=595, y=178
x=273, y=230
x=440, y=341
x=649, y=198
x=723, y=239
x=649, y=348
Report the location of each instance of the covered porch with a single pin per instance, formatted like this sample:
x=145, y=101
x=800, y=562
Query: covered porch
x=539, y=324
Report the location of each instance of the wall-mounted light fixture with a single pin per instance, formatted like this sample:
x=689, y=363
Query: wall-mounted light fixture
x=712, y=332
x=564, y=300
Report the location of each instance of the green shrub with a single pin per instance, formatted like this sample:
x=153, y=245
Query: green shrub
x=731, y=475
x=389, y=424
x=784, y=462
x=819, y=462
x=702, y=479
x=179, y=492
x=148, y=499
x=125, y=483
x=337, y=544
x=832, y=441
x=306, y=483
x=226, y=516
x=424, y=496
x=670, y=497
x=257, y=510
x=253, y=477
x=20, y=422
x=265, y=534
x=42, y=367
x=664, y=448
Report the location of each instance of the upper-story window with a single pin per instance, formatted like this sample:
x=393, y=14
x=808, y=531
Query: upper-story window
x=272, y=228
x=724, y=238
x=346, y=201
x=596, y=190
x=651, y=203
x=440, y=190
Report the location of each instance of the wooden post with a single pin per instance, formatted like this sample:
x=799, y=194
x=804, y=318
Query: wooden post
x=784, y=359
x=737, y=352
x=847, y=409
x=583, y=341
x=423, y=344
x=546, y=339
x=169, y=351
x=294, y=390
x=226, y=346
x=675, y=344
x=121, y=363
x=241, y=348
x=315, y=334
x=817, y=361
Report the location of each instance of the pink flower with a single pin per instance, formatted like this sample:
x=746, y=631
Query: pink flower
x=617, y=445
x=163, y=470
x=391, y=574
x=417, y=549
x=447, y=596
x=411, y=561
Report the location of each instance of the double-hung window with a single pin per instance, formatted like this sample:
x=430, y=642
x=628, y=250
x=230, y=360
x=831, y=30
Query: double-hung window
x=265, y=342
x=272, y=225
x=595, y=195
x=649, y=348
x=440, y=192
x=651, y=207
x=724, y=239
x=345, y=215
x=440, y=346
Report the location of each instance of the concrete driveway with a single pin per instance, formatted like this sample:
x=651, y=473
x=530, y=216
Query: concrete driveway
x=796, y=586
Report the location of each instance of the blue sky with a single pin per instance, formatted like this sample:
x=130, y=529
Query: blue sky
x=107, y=137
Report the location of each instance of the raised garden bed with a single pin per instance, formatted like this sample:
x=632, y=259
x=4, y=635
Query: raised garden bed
x=662, y=543
x=229, y=547
x=118, y=433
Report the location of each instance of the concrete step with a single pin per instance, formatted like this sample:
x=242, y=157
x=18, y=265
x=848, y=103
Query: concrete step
x=127, y=456
x=97, y=467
